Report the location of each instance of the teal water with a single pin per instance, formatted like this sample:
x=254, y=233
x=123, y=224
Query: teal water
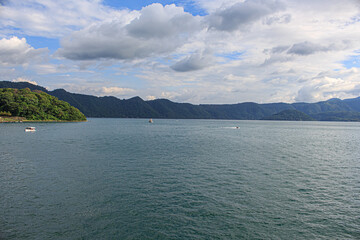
x=180, y=179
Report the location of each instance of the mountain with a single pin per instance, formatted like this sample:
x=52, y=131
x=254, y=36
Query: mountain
x=337, y=116
x=242, y=111
x=113, y=107
x=92, y=106
x=168, y=109
x=36, y=105
x=21, y=85
x=290, y=115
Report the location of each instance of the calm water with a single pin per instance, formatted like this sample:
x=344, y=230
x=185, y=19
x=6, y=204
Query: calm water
x=180, y=179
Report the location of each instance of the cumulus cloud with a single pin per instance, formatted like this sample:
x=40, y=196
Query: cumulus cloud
x=243, y=13
x=301, y=39
x=157, y=21
x=21, y=79
x=194, y=62
x=157, y=30
x=15, y=51
x=326, y=87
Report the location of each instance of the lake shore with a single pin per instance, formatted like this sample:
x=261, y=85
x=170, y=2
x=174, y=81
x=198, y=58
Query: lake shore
x=22, y=119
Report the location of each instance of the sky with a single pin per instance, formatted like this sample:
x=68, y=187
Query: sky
x=194, y=51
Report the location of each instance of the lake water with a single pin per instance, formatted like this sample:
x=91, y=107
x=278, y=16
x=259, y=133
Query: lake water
x=180, y=179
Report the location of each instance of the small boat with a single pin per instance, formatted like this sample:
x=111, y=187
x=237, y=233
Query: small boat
x=150, y=120
x=30, y=129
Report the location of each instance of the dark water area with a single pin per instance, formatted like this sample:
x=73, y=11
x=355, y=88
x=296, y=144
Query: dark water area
x=180, y=179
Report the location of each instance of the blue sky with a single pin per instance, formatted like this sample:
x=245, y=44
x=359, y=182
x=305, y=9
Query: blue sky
x=197, y=51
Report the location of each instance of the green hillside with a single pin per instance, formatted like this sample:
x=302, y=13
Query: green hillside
x=337, y=116
x=36, y=105
x=93, y=106
x=290, y=115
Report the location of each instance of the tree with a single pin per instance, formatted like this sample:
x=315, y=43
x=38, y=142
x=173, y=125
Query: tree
x=37, y=105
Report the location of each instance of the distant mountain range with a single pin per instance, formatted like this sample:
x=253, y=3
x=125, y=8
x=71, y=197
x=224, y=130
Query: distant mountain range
x=112, y=107
x=290, y=115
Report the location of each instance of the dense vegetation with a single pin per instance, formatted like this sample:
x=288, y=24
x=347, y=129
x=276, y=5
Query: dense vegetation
x=337, y=116
x=290, y=115
x=91, y=106
x=36, y=105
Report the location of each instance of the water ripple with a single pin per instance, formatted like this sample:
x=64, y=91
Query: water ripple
x=180, y=179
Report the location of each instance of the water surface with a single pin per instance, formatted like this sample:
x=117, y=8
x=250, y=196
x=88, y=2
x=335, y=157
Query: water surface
x=180, y=179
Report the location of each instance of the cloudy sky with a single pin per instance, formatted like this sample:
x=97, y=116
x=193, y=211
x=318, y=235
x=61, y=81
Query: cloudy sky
x=196, y=51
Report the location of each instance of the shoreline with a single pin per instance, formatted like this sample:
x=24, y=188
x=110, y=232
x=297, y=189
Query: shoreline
x=24, y=120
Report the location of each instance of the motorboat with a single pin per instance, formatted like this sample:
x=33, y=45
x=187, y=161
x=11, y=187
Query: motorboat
x=30, y=129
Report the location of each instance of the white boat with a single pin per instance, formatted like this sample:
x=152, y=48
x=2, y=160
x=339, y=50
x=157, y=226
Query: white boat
x=30, y=129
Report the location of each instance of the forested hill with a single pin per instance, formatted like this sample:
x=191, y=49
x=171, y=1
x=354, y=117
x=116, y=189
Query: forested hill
x=36, y=106
x=92, y=106
x=290, y=115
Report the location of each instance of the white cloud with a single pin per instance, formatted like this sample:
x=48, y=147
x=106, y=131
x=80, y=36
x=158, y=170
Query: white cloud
x=22, y=79
x=157, y=30
x=149, y=98
x=343, y=84
x=256, y=50
x=243, y=13
x=116, y=91
x=15, y=51
x=93, y=87
x=46, y=68
x=50, y=18
x=195, y=61
x=169, y=95
x=157, y=21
